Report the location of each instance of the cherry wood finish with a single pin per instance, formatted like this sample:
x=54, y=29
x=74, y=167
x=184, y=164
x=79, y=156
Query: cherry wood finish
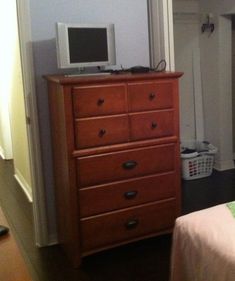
x=151, y=124
x=113, y=166
x=123, y=194
x=110, y=228
x=116, y=158
x=90, y=132
x=150, y=95
x=99, y=100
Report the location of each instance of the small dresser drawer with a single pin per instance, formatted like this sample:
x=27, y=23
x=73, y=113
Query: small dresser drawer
x=151, y=124
x=99, y=100
x=150, y=96
x=118, y=195
x=115, y=166
x=116, y=227
x=90, y=132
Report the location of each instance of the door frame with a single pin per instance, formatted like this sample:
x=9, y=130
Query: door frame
x=161, y=34
x=42, y=237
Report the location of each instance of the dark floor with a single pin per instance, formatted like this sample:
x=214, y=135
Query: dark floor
x=146, y=260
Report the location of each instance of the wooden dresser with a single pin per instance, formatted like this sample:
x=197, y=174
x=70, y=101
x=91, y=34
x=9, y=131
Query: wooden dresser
x=115, y=142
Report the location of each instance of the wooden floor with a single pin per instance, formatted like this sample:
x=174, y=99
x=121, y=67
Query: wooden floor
x=13, y=266
x=142, y=261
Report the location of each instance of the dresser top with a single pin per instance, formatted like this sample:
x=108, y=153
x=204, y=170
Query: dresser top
x=63, y=79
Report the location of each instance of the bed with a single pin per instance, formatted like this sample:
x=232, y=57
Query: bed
x=203, y=246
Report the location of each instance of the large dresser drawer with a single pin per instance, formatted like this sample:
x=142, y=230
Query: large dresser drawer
x=115, y=166
x=150, y=96
x=109, y=197
x=151, y=124
x=116, y=227
x=90, y=132
x=99, y=100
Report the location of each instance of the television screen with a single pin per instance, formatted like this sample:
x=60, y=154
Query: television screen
x=87, y=44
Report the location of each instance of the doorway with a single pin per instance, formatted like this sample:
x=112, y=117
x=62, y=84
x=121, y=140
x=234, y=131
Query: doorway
x=14, y=140
x=21, y=102
x=213, y=54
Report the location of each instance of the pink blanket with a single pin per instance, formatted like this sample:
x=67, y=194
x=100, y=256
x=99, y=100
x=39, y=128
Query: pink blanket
x=204, y=246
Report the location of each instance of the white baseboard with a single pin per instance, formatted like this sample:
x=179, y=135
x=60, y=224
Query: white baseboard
x=224, y=165
x=52, y=240
x=2, y=153
x=24, y=185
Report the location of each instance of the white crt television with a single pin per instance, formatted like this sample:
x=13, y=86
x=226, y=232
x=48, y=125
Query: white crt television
x=84, y=45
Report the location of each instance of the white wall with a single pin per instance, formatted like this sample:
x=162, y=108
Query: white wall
x=131, y=29
x=129, y=17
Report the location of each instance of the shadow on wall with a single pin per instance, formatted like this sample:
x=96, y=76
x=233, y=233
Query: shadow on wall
x=45, y=62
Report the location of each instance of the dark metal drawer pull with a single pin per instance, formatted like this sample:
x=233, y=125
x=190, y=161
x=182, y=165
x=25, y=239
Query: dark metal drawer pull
x=129, y=165
x=132, y=224
x=100, y=101
x=130, y=194
x=152, y=96
x=154, y=125
x=102, y=132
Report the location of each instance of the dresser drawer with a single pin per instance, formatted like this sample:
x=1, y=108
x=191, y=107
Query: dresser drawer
x=99, y=100
x=123, y=194
x=125, y=164
x=90, y=132
x=150, y=96
x=151, y=124
x=116, y=227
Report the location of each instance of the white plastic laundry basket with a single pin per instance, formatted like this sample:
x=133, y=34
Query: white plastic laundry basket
x=197, y=167
x=201, y=164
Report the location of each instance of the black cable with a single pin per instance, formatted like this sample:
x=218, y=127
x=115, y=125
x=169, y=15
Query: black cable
x=163, y=67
